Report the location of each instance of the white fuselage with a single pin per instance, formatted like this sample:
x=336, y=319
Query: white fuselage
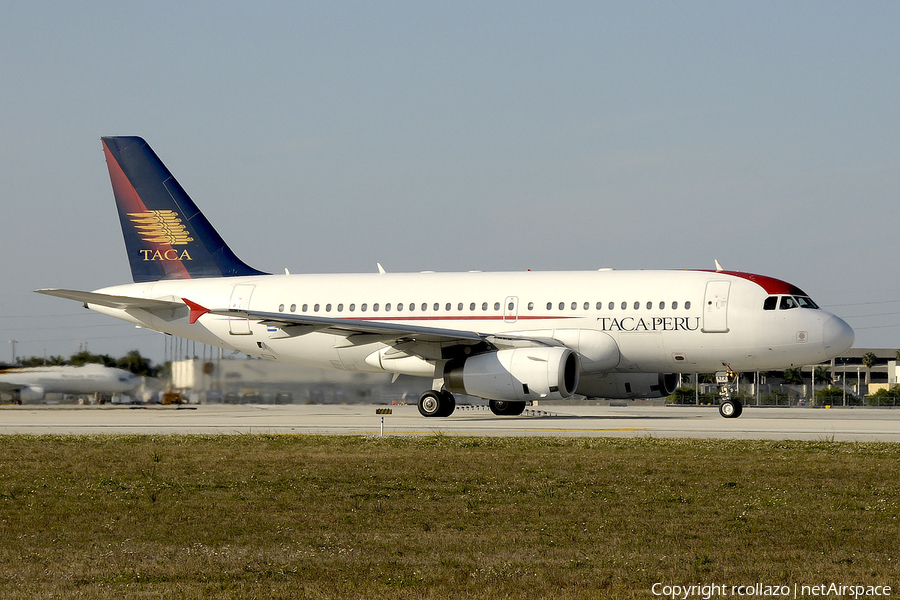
x=86, y=379
x=619, y=321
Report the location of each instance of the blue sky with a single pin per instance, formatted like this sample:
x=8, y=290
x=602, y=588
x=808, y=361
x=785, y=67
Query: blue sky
x=326, y=136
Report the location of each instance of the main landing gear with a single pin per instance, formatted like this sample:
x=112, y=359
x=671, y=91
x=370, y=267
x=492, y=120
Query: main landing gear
x=442, y=404
x=436, y=404
x=730, y=408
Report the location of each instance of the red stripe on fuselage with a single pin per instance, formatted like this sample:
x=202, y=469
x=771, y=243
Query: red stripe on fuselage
x=770, y=284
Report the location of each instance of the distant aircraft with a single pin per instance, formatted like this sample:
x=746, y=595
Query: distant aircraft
x=34, y=383
x=506, y=337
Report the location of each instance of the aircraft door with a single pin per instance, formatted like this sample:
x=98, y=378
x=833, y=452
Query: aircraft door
x=240, y=300
x=511, y=309
x=715, y=307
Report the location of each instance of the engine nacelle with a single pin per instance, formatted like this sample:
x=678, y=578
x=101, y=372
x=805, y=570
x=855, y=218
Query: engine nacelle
x=516, y=374
x=628, y=385
x=31, y=394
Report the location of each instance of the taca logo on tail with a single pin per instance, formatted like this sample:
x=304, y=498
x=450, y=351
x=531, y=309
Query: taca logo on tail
x=166, y=236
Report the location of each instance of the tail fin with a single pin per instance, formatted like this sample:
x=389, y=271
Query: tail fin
x=166, y=235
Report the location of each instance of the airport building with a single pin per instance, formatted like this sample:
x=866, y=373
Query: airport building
x=250, y=380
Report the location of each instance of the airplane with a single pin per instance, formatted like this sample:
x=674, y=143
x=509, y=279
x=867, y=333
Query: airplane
x=507, y=337
x=34, y=383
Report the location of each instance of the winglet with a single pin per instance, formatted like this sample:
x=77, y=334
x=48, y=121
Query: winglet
x=197, y=311
x=719, y=268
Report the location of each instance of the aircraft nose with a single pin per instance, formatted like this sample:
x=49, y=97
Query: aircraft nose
x=838, y=336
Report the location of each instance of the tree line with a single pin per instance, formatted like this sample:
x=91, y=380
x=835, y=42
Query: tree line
x=132, y=361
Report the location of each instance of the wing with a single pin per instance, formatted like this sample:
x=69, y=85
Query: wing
x=369, y=331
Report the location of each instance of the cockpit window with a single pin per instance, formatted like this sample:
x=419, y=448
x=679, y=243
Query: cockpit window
x=771, y=303
x=806, y=302
x=788, y=302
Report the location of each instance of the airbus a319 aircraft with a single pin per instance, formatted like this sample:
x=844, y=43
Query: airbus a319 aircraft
x=506, y=337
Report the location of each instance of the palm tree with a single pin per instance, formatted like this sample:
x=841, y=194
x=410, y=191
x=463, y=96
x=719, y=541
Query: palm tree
x=823, y=375
x=793, y=377
x=869, y=359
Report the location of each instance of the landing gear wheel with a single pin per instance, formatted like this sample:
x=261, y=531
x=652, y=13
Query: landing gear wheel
x=430, y=404
x=731, y=408
x=436, y=404
x=448, y=403
x=505, y=408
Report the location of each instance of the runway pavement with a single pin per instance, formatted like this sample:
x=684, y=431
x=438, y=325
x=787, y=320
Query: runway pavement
x=839, y=424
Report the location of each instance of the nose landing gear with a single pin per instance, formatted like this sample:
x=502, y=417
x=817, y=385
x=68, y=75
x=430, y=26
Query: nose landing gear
x=730, y=408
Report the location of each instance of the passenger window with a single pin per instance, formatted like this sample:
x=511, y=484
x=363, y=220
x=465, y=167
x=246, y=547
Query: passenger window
x=387, y=307
x=316, y=308
x=599, y=306
x=687, y=305
x=612, y=305
x=424, y=306
x=340, y=308
x=471, y=306
x=399, y=307
x=447, y=307
x=375, y=307
x=562, y=306
x=281, y=308
x=531, y=306
x=549, y=306
x=363, y=307
x=484, y=306
x=674, y=305
x=574, y=305
x=459, y=306
x=637, y=305
x=510, y=306
x=787, y=303
x=437, y=307
x=293, y=308
x=662, y=306
x=649, y=305
x=496, y=306
x=770, y=303
x=624, y=305
x=305, y=307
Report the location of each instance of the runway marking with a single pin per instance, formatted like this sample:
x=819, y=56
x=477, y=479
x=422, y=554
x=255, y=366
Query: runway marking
x=457, y=432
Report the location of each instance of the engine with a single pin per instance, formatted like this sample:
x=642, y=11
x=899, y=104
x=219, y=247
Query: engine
x=628, y=385
x=31, y=393
x=516, y=374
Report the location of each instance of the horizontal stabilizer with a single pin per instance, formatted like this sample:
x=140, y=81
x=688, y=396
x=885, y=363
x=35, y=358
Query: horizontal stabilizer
x=111, y=301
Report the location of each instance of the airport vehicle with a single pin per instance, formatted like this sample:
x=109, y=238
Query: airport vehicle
x=506, y=337
x=34, y=383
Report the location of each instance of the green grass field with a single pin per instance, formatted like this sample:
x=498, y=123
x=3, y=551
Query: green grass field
x=438, y=517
